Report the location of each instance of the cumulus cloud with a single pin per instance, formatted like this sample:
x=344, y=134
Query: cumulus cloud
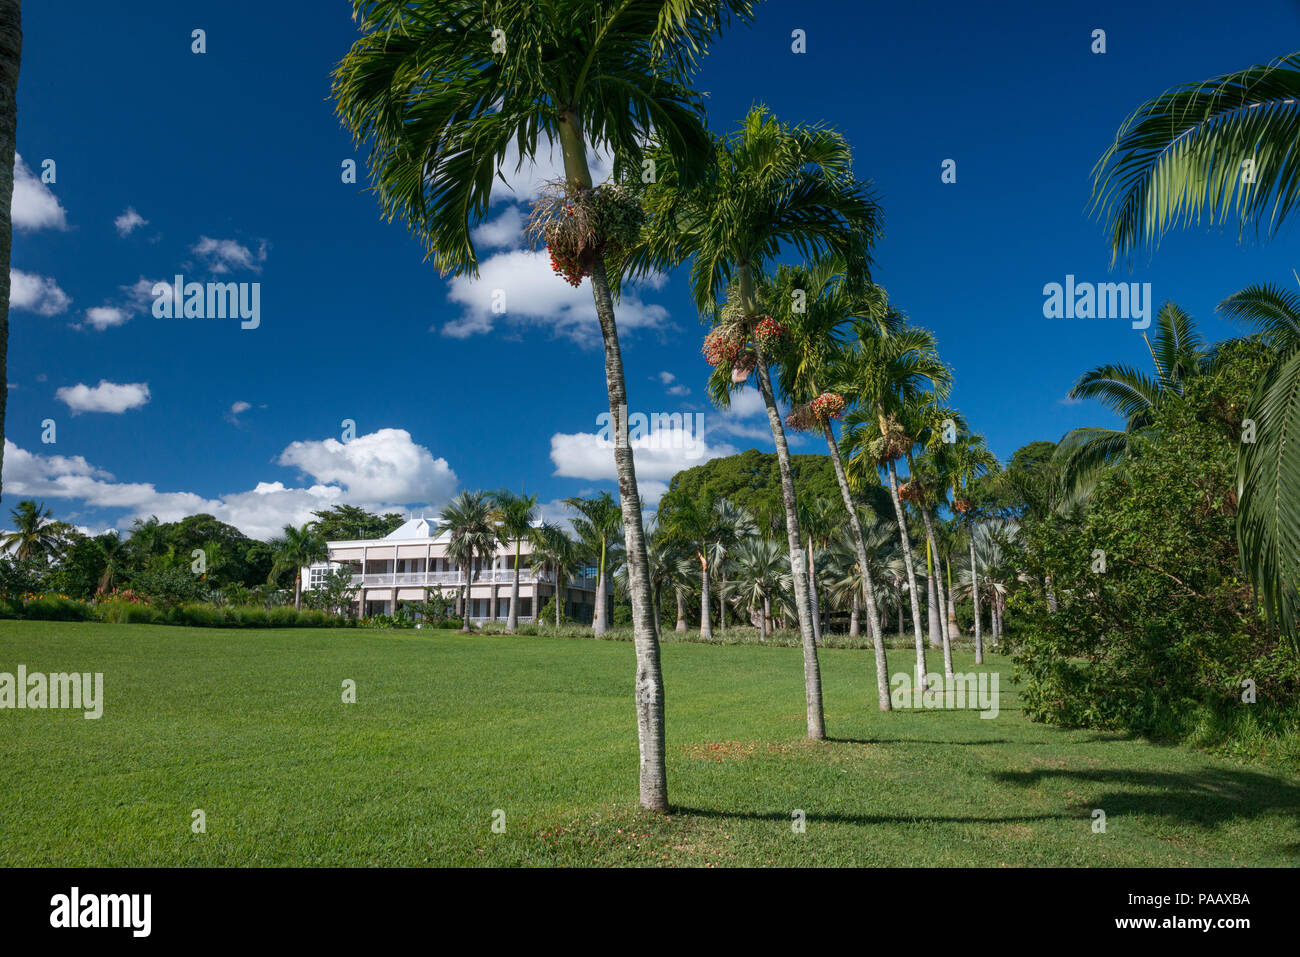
x=385, y=461
x=532, y=294
x=385, y=465
x=504, y=231
x=105, y=317
x=129, y=221
x=660, y=453
x=34, y=205
x=38, y=294
x=223, y=255
x=106, y=397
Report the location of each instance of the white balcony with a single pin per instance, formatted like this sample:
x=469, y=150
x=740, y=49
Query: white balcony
x=454, y=579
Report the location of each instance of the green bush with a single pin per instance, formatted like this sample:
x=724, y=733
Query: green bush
x=283, y=616
x=126, y=613
x=56, y=608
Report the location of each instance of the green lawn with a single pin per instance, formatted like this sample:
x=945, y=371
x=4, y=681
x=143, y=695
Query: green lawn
x=250, y=727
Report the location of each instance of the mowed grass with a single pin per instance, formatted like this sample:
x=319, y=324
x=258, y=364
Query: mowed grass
x=250, y=727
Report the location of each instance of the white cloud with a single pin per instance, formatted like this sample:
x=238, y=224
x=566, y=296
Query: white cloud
x=535, y=295
x=38, y=294
x=678, y=389
x=504, y=231
x=223, y=255
x=384, y=465
x=666, y=378
x=241, y=406
x=105, y=397
x=660, y=453
x=384, y=461
x=34, y=205
x=105, y=317
x=129, y=221
x=526, y=183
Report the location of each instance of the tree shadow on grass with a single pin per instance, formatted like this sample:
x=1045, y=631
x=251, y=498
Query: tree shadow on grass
x=1207, y=798
x=840, y=818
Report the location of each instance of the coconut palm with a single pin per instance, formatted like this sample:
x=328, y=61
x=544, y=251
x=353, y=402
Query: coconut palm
x=762, y=572
x=885, y=375
x=295, y=549
x=1227, y=148
x=11, y=48
x=1177, y=355
x=442, y=95
x=771, y=187
x=516, y=514
x=471, y=520
x=36, y=535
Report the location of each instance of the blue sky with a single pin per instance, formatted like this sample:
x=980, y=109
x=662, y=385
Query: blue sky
x=232, y=160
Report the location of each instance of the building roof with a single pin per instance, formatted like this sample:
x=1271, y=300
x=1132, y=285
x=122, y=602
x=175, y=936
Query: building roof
x=419, y=529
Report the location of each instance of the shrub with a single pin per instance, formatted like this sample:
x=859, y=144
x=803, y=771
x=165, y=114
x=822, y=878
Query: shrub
x=57, y=608
x=283, y=616
x=126, y=613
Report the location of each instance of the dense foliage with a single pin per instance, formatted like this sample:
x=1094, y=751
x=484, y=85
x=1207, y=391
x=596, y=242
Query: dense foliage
x=1138, y=615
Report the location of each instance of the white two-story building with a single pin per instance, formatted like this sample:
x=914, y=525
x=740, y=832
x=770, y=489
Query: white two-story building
x=396, y=570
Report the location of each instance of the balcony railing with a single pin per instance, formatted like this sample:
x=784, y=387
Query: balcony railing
x=488, y=577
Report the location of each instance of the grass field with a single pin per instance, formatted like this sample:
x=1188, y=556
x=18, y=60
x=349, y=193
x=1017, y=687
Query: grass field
x=250, y=727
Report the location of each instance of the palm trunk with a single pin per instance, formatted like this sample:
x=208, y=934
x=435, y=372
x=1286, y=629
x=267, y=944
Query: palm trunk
x=954, y=629
x=975, y=598
x=933, y=631
x=722, y=599
x=706, y=616
x=906, y=541
x=649, y=680
x=868, y=588
x=766, y=617
x=942, y=608
x=814, y=606
x=799, y=579
x=648, y=683
x=297, y=591
x=681, y=611
x=469, y=577
x=512, y=617
x=11, y=48
x=559, y=600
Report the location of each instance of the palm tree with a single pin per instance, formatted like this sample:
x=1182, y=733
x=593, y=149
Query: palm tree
x=1177, y=355
x=600, y=531
x=11, y=49
x=734, y=525
x=694, y=523
x=35, y=534
x=441, y=111
x=966, y=460
x=884, y=375
x=1227, y=148
x=762, y=572
x=809, y=365
x=297, y=548
x=471, y=521
x=771, y=186
x=553, y=551
x=516, y=513
x=112, y=552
